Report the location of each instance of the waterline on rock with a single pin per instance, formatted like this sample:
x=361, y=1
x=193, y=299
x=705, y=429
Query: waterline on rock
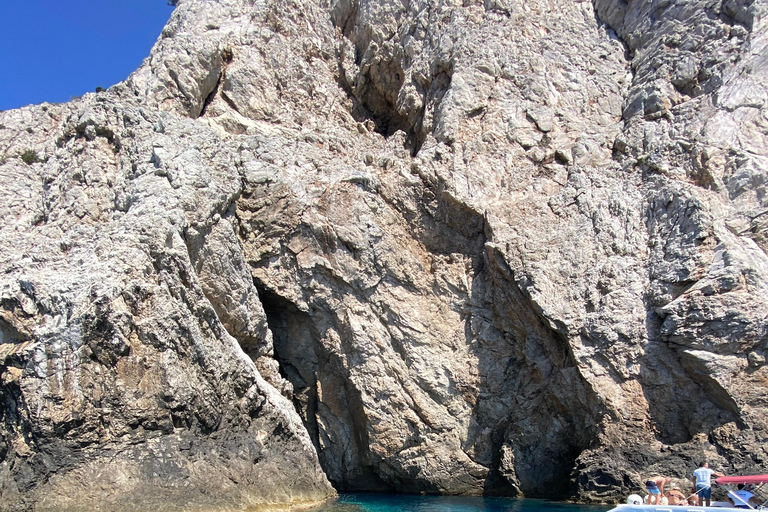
x=415, y=503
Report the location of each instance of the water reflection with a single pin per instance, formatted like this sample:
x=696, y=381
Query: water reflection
x=408, y=503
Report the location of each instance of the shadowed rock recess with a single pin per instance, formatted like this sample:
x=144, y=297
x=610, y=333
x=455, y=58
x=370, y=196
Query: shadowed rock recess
x=484, y=247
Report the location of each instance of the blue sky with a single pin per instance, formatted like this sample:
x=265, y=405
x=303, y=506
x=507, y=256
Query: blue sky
x=51, y=50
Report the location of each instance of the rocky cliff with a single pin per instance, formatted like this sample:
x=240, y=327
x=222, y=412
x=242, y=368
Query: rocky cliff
x=502, y=247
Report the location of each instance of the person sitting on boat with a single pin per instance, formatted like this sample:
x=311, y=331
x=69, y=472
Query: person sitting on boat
x=693, y=498
x=655, y=488
x=701, y=478
x=676, y=496
x=741, y=497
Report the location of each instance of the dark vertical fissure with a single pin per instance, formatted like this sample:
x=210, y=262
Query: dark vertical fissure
x=293, y=342
x=326, y=414
x=211, y=96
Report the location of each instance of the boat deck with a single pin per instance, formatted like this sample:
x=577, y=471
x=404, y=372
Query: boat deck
x=673, y=508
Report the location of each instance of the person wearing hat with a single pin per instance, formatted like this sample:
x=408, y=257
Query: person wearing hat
x=675, y=495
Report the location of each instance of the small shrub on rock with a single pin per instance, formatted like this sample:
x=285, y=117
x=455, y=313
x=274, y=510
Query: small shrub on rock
x=30, y=157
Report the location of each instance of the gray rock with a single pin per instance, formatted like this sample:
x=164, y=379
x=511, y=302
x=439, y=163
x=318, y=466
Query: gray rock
x=510, y=248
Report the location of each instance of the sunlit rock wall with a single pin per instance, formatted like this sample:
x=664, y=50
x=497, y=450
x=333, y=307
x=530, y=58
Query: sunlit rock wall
x=507, y=247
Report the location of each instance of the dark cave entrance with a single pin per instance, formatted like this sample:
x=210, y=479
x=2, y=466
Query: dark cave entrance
x=328, y=404
x=294, y=346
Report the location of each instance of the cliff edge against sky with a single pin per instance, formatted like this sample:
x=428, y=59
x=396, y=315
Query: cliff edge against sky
x=494, y=246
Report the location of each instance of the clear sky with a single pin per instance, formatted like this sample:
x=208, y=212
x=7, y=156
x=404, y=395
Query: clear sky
x=51, y=50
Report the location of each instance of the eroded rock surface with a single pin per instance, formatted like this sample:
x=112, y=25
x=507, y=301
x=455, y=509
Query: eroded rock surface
x=492, y=247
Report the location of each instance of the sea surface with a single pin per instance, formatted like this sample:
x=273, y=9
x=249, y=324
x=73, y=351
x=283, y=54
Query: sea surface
x=410, y=503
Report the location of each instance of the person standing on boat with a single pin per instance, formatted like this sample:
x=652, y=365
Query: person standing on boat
x=742, y=498
x=655, y=488
x=701, y=478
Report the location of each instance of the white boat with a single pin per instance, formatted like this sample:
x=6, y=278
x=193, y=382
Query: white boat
x=717, y=506
x=635, y=504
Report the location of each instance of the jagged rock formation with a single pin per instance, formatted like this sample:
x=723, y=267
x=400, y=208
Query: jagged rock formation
x=482, y=247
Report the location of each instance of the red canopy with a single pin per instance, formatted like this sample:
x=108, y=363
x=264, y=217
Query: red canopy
x=746, y=479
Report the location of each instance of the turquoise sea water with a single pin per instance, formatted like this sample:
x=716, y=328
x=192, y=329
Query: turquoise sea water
x=409, y=503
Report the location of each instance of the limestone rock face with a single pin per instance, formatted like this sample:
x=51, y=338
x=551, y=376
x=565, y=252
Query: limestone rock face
x=471, y=247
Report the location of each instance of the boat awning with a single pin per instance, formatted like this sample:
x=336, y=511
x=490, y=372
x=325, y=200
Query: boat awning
x=746, y=479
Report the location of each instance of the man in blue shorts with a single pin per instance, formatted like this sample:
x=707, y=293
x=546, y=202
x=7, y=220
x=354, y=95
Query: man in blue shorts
x=701, y=478
x=655, y=488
